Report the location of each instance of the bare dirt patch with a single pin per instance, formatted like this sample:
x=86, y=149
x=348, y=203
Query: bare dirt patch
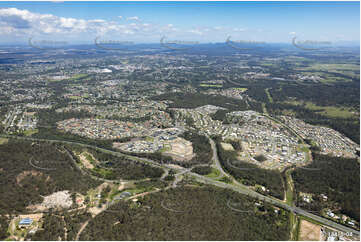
x=3, y=141
x=85, y=161
x=309, y=231
x=121, y=186
x=102, y=186
x=24, y=174
x=175, y=166
x=60, y=199
x=227, y=146
x=94, y=211
x=181, y=149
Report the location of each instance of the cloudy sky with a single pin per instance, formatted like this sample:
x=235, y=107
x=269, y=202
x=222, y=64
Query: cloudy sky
x=148, y=22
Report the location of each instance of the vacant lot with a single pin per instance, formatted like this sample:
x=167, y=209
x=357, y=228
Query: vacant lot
x=87, y=160
x=309, y=231
x=3, y=141
x=181, y=149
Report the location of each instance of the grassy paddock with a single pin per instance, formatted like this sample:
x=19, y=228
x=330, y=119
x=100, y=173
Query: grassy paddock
x=214, y=174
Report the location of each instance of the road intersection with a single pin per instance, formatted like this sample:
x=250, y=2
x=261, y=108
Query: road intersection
x=235, y=186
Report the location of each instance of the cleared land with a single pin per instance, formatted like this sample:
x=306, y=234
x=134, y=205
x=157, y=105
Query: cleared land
x=227, y=146
x=181, y=149
x=87, y=160
x=309, y=231
x=3, y=141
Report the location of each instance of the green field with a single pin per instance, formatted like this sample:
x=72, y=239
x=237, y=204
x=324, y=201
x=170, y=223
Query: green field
x=78, y=77
x=331, y=111
x=214, y=174
x=242, y=89
x=328, y=111
x=30, y=132
x=268, y=64
x=333, y=67
x=75, y=77
x=328, y=75
x=345, y=69
x=74, y=97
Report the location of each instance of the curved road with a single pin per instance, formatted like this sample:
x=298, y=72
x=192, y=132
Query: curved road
x=237, y=187
x=245, y=190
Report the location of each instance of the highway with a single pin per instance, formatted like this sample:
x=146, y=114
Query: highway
x=238, y=187
x=275, y=202
x=235, y=186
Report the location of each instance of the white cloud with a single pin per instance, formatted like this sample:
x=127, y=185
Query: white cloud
x=17, y=22
x=292, y=33
x=97, y=21
x=195, y=31
x=239, y=29
x=136, y=18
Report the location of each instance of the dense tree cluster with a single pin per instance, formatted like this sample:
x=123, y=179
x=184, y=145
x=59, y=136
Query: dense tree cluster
x=120, y=167
x=251, y=174
x=189, y=213
x=336, y=177
x=53, y=228
x=201, y=147
x=202, y=170
x=237, y=144
x=220, y=115
x=4, y=227
x=346, y=94
x=73, y=221
x=260, y=158
x=31, y=170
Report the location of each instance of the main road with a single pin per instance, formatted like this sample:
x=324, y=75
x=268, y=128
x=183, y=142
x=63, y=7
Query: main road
x=275, y=202
x=235, y=187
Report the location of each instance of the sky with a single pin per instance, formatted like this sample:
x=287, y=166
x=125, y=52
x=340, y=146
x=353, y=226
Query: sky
x=203, y=22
